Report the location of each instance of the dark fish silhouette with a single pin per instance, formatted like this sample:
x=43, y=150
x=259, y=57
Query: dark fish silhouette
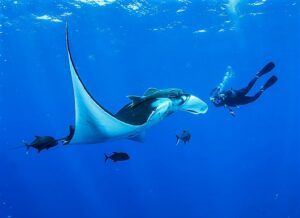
x=117, y=156
x=185, y=137
x=42, y=142
x=46, y=142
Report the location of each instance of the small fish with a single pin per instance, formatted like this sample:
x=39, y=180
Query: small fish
x=117, y=156
x=185, y=137
x=42, y=142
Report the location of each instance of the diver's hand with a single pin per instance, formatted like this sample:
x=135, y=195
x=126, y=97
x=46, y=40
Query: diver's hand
x=232, y=113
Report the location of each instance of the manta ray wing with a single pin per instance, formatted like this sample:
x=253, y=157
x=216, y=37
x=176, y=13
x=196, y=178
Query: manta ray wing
x=93, y=123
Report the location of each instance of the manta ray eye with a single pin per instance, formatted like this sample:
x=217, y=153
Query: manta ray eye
x=181, y=99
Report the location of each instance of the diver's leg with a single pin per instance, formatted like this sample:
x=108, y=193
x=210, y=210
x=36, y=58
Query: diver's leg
x=249, y=99
x=267, y=68
x=245, y=90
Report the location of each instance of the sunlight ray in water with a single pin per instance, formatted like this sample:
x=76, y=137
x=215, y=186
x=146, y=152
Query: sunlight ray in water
x=232, y=6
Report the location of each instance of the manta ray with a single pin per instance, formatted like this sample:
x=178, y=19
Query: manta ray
x=95, y=124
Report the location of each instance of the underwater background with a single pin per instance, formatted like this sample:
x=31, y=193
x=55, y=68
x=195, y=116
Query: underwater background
x=243, y=166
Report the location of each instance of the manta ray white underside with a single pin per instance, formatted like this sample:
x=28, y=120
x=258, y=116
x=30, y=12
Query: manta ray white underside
x=95, y=124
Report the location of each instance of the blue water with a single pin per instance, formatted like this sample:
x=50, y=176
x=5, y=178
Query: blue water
x=243, y=166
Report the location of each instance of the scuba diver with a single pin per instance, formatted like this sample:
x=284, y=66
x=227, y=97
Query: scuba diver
x=234, y=98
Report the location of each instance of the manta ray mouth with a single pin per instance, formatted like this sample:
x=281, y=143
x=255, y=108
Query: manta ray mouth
x=194, y=105
x=192, y=111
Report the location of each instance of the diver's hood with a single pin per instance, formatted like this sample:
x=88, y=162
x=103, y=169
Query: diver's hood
x=194, y=105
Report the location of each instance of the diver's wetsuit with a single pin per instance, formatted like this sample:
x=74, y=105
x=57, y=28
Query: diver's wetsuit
x=233, y=98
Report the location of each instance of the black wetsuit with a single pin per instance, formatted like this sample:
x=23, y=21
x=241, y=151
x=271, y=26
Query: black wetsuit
x=233, y=98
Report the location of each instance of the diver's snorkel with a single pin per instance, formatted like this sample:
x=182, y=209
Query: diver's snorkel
x=217, y=97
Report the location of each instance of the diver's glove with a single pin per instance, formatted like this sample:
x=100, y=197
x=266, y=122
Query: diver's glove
x=231, y=111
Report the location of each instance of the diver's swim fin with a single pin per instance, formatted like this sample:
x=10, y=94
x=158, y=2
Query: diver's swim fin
x=269, y=83
x=266, y=69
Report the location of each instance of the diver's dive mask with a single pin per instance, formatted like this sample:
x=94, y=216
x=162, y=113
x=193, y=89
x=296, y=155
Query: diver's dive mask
x=216, y=96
